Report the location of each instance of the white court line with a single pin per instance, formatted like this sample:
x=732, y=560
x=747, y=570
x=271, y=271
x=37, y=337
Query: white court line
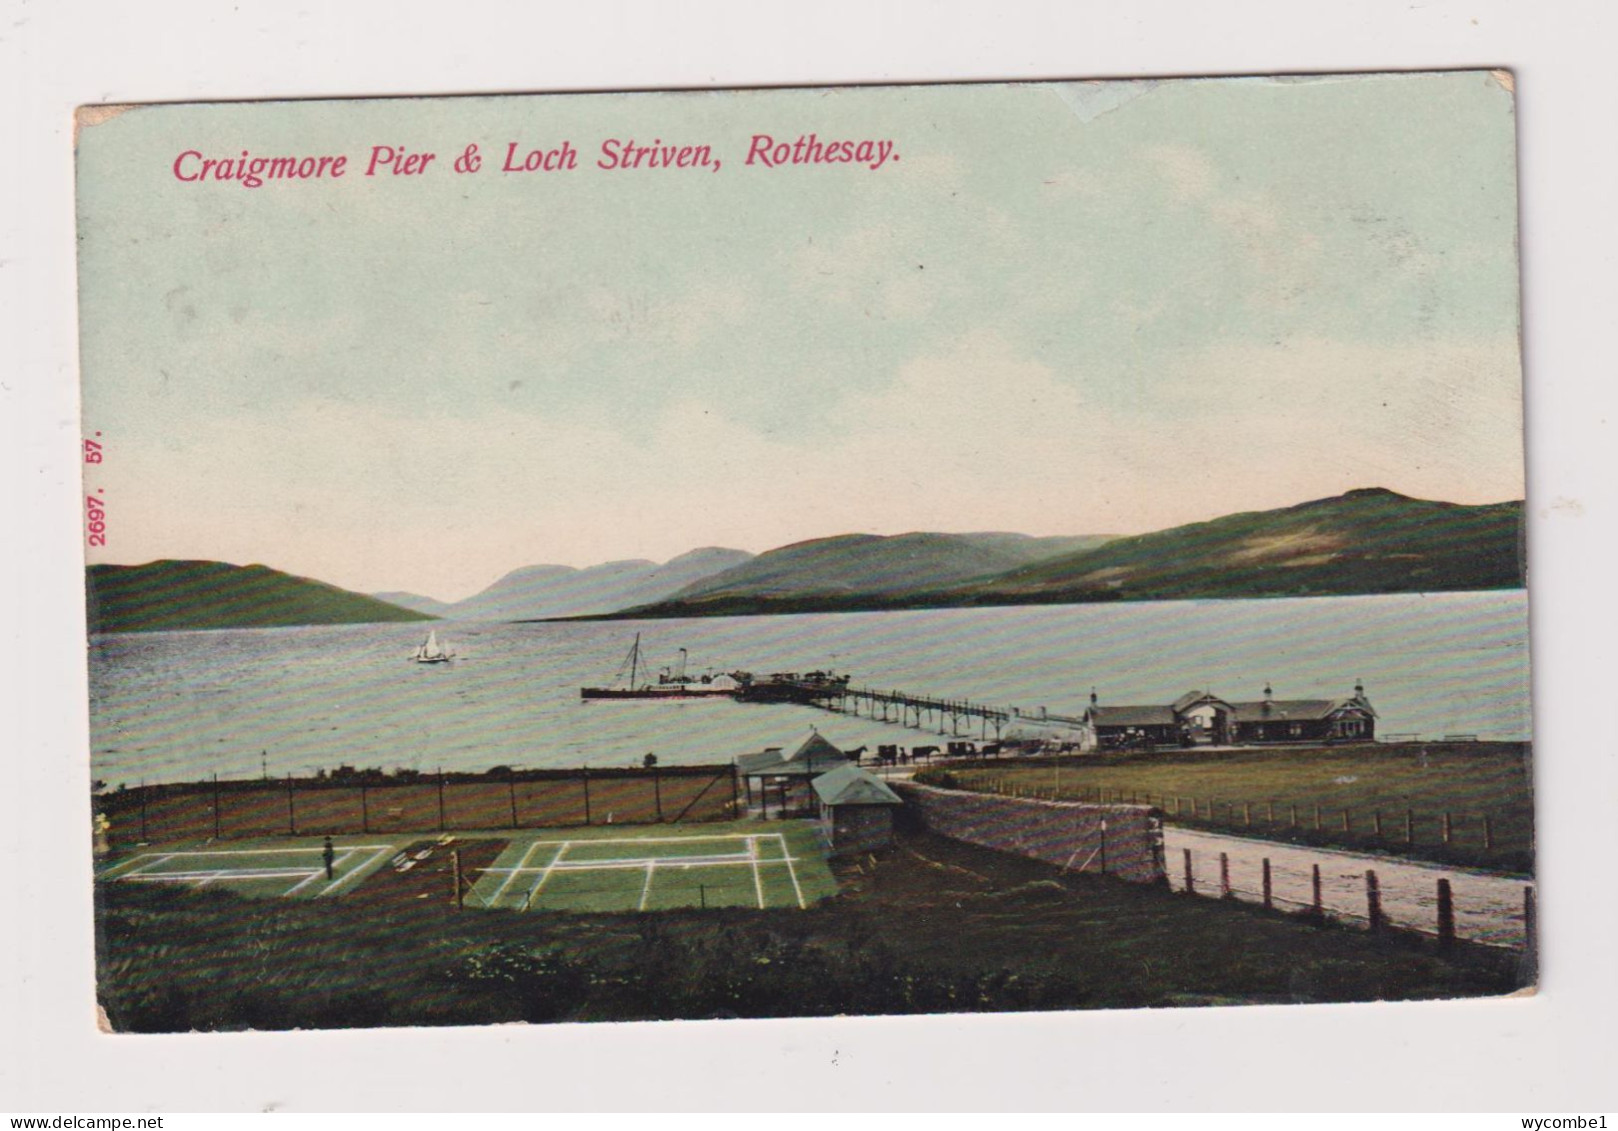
x=346, y=876
x=791, y=871
x=651, y=839
x=268, y=851
x=109, y=873
x=636, y=861
x=313, y=876
x=208, y=877
x=528, y=903
x=640, y=862
x=646, y=891
x=162, y=858
x=758, y=884
x=494, y=900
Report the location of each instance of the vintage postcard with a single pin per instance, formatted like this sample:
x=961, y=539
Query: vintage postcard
x=804, y=552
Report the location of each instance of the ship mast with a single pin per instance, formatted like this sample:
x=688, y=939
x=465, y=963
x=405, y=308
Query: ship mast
x=634, y=661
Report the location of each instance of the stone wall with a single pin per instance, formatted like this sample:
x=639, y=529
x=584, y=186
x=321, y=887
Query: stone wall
x=1121, y=840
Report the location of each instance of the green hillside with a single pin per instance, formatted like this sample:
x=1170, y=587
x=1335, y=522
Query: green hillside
x=861, y=568
x=183, y=594
x=1366, y=541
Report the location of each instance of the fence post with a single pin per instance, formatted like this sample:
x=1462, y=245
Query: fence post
x=1224, y=875
x=735, y=792
x=1446, y=915
x=292, y=816
x=1320, y=904
x=1269, y=901
x=1179, y=806
x=455, y=868
x=1271, y=812
x=216, y=806
x=511, y=790
x=1103, y=847
x=1190, y=880
x=1410, y=828
x=1446, y=827
x=441, y=799
x=1347, y=828
x=143, y=811
x=657, y=791
x=1488, y=832
x=1373, y=900
x=1247, y=813
x=1292, y=824
x=1376, y=823
x=584, y=776
x=1317, y=816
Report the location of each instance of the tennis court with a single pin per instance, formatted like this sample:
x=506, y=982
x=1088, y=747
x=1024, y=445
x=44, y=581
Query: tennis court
x=282, y=870
x=779, y=865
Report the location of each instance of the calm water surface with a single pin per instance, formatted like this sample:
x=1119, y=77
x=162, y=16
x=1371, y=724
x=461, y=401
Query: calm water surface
x=182, y=705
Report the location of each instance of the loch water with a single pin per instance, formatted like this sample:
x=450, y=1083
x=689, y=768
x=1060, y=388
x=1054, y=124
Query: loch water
x=176, y=706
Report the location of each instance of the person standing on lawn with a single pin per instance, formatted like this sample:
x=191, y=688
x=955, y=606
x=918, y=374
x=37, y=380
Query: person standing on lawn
x=329, y=855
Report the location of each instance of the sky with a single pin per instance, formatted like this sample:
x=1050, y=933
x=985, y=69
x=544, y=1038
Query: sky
x=1061, y=309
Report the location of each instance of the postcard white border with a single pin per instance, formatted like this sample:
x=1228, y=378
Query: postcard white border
x=1544, y=1055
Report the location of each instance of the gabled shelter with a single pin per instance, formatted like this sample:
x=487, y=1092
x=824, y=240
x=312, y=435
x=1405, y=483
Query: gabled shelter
x=782, y=779
x=856, y=809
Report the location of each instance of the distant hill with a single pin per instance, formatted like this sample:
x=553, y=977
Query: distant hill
x=851, y=569
x=428, y=606
x=1366, y=541
x=191, y=594
x=542, y=591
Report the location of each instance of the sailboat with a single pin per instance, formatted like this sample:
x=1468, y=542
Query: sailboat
x=675, y=685
x=431, y=652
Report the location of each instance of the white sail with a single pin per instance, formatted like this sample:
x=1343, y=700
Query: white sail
x=431, y=652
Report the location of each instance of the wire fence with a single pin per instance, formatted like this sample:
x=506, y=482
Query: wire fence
x=1501, y=839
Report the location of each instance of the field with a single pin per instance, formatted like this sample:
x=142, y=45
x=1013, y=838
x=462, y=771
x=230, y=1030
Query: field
x=1275, y=794
x=752, y=864
x=267, y=868
x=932, y=925
x=624, y=868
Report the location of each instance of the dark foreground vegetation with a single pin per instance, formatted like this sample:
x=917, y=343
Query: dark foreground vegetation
x=931, y=926
x=1363, y=793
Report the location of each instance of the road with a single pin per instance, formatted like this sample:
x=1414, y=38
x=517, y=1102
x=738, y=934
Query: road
x=1488, y=906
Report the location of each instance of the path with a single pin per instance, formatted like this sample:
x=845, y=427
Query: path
x=1488, y=906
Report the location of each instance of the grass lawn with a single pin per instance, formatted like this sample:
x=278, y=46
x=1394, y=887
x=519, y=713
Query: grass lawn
x=1275, y=794
x=932, y=925
x=626, y=868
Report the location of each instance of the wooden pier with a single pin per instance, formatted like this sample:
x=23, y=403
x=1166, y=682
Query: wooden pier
x=922, y=712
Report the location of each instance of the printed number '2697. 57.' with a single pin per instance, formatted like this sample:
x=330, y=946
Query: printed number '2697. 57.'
x=96, y=520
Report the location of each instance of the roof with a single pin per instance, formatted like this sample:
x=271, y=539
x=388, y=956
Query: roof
x=815, y=747
x=1192, y=698
x=763, y=762
x=813, y=756
x=1270, y=709
x=1136, y=716
x=850, y=785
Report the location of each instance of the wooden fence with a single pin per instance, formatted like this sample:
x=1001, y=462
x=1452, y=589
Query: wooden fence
x=1518, y=931
x=428, y=802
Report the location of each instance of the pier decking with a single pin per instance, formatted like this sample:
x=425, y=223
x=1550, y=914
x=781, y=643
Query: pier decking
x=922, y=712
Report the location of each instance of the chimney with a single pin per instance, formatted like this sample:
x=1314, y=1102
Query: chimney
x=1359, y=689
x=1093, y=699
